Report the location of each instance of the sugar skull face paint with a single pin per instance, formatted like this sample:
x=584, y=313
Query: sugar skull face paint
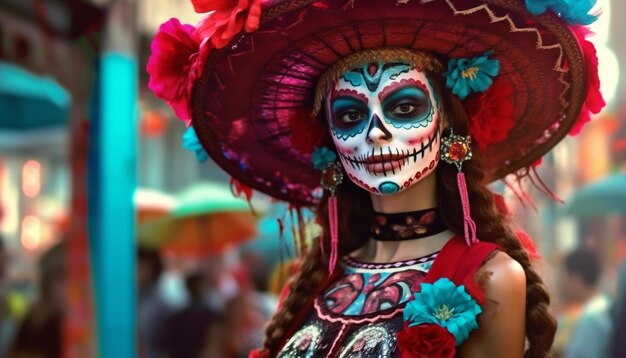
x=384, y=119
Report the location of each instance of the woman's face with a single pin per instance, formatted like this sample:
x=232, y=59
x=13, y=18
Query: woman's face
x=385, y=122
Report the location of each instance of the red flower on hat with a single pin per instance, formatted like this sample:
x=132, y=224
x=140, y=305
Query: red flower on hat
x=491, y=114
x=306, y=131
x=176, y=60
x=258, y=353
x=426, y=341
x=227, y=19
x=594, y=101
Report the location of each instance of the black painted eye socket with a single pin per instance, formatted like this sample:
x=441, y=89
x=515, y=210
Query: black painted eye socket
x=352, y=116
x=403, y=109
x=408, y=104
x=348, y=112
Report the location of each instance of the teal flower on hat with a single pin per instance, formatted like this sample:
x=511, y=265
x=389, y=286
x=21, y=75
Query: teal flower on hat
x=192, y=144
x=321, y=157
x=574, y=12
x=466, y=76
x=445, y=304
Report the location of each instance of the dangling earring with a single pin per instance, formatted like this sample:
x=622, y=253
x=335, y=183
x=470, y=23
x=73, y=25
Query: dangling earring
x=455, y=149
x=325, y=160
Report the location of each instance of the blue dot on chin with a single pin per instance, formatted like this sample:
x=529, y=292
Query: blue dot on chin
x=389, y=187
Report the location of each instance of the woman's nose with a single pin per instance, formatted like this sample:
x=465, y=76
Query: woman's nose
x=377, y=133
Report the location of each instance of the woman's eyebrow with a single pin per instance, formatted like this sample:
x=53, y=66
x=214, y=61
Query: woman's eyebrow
x=407, y=82
x=349, y=93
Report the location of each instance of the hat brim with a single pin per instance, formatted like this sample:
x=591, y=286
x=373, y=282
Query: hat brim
x=245, y=102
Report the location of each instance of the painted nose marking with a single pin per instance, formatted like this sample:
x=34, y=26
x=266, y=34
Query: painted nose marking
x=378, y=124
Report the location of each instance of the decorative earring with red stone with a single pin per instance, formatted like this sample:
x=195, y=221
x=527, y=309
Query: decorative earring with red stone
x=456, y=149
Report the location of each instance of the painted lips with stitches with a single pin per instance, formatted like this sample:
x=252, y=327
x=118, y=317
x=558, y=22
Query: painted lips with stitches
x=383, y=161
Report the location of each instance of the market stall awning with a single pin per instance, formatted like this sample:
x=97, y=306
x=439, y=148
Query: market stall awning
x=606, y=196
x=29, y=101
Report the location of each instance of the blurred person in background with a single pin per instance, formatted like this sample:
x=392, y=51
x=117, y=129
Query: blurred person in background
x=241, y=328
x=40, y=334
x=222, y=281
x=618, y=346
x=13, y=304
x=153, y=309
x=183, y=335
x=591, y=330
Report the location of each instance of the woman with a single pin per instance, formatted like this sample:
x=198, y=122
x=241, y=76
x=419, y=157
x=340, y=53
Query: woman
x=405, y=110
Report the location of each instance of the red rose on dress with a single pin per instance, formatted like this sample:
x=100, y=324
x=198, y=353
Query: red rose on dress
x=426, y=341
x=227, y=19
x=491, y=114
x=175, y=62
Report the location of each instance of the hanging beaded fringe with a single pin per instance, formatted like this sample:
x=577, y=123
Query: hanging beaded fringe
x=333, y=226
x=468, y=224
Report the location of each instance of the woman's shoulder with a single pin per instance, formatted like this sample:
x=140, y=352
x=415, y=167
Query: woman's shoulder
x=505, y=270
x=506, y=277
x=502, y=322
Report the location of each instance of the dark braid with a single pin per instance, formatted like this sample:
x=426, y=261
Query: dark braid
x=355, y=208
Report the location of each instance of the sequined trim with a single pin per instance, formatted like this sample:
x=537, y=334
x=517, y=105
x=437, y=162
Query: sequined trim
x=350, y=262
x=370, y=341
x=304, y=343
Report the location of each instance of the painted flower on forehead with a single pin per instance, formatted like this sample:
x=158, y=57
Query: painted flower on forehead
x=574, y=12
x=226, y=19
x=192, y=144
x=445, y=304
x=175, y=62
x=322, y=157
x=466, y=76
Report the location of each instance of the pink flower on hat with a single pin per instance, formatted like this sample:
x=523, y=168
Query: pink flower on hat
x=594, y=102
x=176, y=60
x=227, y=19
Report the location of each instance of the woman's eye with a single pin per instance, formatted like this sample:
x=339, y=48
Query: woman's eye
x=403, y=109
x=352, y=116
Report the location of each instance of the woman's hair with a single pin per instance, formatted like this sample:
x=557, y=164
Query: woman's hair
x=355, y=208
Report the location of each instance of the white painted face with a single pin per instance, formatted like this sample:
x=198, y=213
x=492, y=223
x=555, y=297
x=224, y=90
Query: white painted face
x=385, y=123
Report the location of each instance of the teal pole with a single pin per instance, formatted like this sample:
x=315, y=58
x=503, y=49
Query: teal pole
x=112, y=181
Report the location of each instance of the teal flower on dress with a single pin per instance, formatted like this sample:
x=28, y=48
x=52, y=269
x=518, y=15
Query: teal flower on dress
x=192, y=144
x=574, y=12
x=321, y=157
x=445, y=304
x=466, y=76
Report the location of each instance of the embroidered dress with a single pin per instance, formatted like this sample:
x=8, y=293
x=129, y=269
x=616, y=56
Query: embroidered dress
x=360, y=314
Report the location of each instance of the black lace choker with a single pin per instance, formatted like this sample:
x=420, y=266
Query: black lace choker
x=407, y=226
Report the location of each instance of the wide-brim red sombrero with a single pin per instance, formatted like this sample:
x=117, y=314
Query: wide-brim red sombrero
x=251, y=91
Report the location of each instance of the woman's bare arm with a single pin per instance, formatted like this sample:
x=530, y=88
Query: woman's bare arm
x=502, y=324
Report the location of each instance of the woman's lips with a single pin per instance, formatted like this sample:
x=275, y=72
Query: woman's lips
x=378, y=164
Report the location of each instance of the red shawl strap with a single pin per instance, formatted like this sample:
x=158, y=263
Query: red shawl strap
x=457, y=261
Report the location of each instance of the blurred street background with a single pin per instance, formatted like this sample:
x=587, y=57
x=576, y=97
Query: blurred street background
x=116, y=242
